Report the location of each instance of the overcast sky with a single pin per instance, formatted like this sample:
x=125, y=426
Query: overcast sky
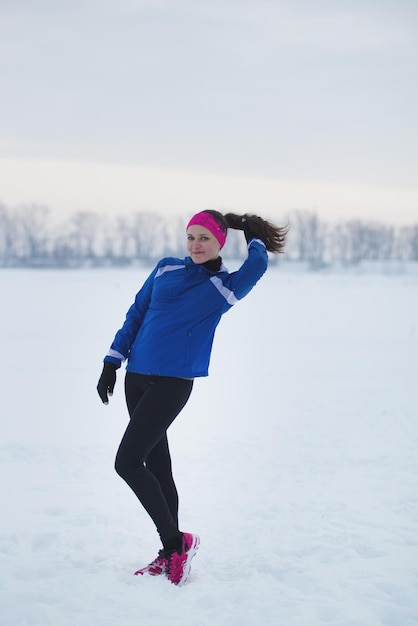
x=267, y=106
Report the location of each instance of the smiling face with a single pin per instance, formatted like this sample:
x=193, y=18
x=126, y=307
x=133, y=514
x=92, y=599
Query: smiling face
x=201, y=244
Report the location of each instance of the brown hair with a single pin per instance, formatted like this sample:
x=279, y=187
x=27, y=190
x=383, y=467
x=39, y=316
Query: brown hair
x=272, y=236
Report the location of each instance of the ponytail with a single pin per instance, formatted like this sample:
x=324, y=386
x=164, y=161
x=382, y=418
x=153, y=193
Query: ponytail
x=255, y=227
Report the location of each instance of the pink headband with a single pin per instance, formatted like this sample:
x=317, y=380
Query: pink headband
x=208, y=221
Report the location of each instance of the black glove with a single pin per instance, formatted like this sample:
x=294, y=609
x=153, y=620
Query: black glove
x=107, y=381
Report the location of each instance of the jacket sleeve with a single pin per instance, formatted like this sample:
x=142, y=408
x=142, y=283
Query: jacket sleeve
x=243, y=280
x=124, y=338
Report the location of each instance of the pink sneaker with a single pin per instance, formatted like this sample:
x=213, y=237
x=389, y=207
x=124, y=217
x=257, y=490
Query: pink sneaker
x=156, y=567
x=179, y=563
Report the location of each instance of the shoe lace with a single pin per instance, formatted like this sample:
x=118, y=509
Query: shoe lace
x=159, y=560
x=172, y=564
x=168, y=560
x=160, y=557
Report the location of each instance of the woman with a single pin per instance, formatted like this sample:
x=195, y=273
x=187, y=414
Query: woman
x=167, y=340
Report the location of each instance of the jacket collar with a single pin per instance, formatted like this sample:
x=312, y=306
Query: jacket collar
x=200, y=267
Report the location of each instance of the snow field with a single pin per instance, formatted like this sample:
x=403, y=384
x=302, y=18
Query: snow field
x=295, y=460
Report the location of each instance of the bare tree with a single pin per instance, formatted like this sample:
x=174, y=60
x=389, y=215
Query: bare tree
x=8, y=236
x=412, y=243
x=175, y=235
x=124, y=247
x=387, y=242
x=85, y=231
x=147, y=235
x=33, y=229
x=28, y=237
x=307, y=238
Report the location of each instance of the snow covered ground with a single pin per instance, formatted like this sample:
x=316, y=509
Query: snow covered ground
x=296, y=460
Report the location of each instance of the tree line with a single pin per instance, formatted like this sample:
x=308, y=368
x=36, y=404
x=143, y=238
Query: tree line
x=30, y=236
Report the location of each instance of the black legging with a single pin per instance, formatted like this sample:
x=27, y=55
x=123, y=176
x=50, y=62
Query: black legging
x=143, y=459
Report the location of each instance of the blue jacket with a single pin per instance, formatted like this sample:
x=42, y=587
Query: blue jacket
x=169, y=329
